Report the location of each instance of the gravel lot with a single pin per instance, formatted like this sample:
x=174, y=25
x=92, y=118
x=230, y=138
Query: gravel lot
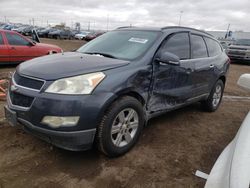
x=170, y=150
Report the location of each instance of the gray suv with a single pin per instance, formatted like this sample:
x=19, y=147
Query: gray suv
x=105, y=92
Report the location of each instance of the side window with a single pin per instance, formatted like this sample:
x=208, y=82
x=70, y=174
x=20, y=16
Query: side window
x=199, y=49
x=214, y=48
x=178, y=44
x=1, y=39
x=15, y=39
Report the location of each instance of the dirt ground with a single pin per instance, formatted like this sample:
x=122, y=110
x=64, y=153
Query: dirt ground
x=170, y=150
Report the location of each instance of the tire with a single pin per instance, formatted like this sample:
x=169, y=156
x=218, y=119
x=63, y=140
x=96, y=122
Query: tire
x=213, y=101
x=121, y=117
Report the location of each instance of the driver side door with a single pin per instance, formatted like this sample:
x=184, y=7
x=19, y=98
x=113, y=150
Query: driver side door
x=172, y=84
x=20, y=49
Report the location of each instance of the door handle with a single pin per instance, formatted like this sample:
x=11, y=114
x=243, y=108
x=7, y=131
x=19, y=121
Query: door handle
x=211, y=66
x=12, y=48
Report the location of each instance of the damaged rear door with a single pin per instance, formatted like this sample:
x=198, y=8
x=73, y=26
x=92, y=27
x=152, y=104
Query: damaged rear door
x=172, y=84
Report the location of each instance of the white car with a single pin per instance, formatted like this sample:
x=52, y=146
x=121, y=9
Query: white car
x=232, y=168
x=81, y=36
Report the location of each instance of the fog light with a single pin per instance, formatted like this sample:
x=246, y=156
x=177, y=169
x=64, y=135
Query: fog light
x=57, y=121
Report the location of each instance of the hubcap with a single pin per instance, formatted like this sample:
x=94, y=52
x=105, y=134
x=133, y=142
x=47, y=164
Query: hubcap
x=124, y=127
x=217, y=95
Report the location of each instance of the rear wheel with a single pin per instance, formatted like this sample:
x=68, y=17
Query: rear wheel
x=214, y=99
x=120, y=127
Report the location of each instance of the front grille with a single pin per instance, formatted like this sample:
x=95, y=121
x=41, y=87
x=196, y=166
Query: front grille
x=235, y=48
x=20, y=100
x=28, y=82
x=236, y=53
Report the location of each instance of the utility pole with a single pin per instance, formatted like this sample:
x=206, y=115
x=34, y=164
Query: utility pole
x=33, y=21
x=5, y=19
x=88, y=26
x=227, y=31
x=181, y=12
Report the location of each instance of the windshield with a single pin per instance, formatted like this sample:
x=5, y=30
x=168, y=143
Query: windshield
x=127, y=45
x=244, y=42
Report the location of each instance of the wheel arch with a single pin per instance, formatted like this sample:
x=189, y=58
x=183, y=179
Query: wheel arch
x=119, y=95
x=223, y=79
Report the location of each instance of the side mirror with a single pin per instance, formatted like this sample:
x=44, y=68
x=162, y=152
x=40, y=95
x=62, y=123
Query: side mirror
x=244, y=81
x=30, y=44
x=168, y=58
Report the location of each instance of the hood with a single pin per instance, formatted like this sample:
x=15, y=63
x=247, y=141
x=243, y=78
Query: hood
x=43, y=45
x=52, y=67
x=240, y=47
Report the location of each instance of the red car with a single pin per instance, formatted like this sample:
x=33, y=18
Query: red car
x=15, y=48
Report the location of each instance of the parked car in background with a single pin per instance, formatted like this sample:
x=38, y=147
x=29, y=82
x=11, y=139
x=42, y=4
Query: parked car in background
x=16, y=48
x=21, y=29
x=61, y=34
x=90, y=36
x=27, y=30
x=93, y=35
x=109, y=88
x=239, y=50
x=9, y=27
x=81, y=35
x=45, y=32
x=74, y=32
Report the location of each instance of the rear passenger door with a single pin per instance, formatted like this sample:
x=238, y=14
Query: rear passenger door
x=203, y=66
x=215, y=52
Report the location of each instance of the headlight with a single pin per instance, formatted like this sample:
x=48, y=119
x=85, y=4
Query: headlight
x=83, y=84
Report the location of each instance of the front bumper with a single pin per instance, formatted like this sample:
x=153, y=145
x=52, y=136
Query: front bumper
x=238, y=57
x=89, y=108
x=69, y=140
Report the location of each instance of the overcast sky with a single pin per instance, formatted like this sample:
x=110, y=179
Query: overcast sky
x=103, y=14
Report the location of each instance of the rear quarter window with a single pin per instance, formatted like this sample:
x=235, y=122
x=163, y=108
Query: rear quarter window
x=214, y=48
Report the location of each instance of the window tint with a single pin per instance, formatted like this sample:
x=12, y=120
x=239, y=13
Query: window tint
x=213, y=47
x=1, y=39
x=198, y=47
x=15, y=39
x=178, y=44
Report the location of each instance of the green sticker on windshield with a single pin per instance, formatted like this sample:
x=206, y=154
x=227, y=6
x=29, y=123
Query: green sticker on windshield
x=138, y=40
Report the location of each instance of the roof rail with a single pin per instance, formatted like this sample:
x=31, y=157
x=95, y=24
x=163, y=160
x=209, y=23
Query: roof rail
x=173, y=27
x=123, y=27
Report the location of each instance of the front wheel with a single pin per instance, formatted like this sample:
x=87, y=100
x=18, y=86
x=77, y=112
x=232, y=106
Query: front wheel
x=214, y=99
x=120, y=127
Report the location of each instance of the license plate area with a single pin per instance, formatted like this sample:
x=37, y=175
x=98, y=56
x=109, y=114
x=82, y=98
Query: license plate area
x=10, y=116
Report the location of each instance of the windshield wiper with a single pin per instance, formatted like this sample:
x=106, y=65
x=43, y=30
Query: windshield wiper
x=102, y=54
